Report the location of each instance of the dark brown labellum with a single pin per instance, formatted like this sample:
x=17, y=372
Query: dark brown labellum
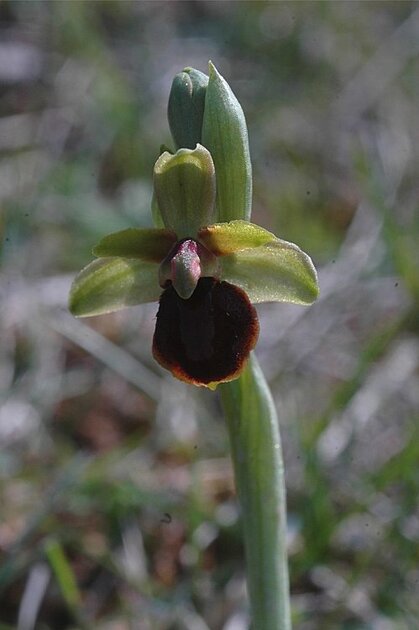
x=206, y=338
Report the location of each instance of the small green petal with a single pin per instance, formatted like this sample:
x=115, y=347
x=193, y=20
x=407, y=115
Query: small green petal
x=226, y=238
x=224, y=133
x=109, y=284
x=275, y=272
x=148, y=244
x=185, y=190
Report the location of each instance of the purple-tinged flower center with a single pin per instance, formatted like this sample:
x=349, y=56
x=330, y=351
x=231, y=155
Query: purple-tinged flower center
x=185, y=268
x=186, y=263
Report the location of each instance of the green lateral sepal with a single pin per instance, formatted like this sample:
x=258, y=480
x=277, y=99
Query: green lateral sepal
x=277, y=271
x=109, y=284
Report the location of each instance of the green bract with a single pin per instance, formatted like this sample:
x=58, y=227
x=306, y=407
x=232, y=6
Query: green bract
x=208, y=262
x=224, y=133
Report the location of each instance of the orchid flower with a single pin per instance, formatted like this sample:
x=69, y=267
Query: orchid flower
x=206, y=272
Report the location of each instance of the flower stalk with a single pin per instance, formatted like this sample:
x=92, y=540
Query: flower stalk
x=259, y=473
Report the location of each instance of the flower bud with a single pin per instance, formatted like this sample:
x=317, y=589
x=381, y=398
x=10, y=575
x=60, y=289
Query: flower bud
x=186, y=107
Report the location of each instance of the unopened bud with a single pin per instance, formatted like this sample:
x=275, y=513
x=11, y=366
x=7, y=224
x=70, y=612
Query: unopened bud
x=186, y=107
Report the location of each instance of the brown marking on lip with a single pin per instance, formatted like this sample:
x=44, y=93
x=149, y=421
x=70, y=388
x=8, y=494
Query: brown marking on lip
x=207, y=338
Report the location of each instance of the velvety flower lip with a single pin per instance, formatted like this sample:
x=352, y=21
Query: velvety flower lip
x=207, y=338
x=205, y=274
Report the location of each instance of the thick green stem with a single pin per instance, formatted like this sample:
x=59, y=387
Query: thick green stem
x=259, y=471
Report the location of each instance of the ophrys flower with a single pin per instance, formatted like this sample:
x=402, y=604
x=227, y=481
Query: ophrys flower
x=206, y=274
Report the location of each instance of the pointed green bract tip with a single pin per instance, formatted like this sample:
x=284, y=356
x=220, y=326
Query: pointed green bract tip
x=211, y=68
x=224, y=133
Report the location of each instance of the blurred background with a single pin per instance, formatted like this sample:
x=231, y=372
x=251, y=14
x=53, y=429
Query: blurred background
x=117, y=504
